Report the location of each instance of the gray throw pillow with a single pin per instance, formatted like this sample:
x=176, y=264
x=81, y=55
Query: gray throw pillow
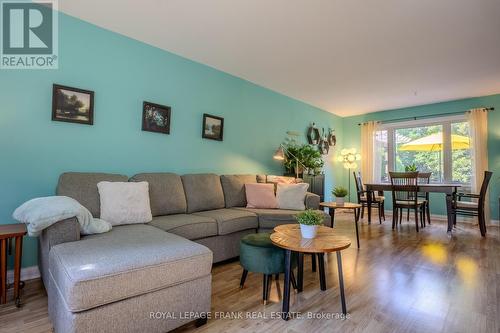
x=292, y=196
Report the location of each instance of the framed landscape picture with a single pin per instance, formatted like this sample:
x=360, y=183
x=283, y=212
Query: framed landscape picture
x=72, y=105
x=155, y=118
x=213, y=127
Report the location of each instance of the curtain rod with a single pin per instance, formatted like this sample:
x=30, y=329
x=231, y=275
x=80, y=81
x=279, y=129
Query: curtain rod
x=429, y=116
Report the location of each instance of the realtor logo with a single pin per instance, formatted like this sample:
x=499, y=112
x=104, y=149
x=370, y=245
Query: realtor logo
x=29, y=35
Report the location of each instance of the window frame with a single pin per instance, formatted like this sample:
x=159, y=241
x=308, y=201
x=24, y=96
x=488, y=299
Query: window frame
x=445, y=122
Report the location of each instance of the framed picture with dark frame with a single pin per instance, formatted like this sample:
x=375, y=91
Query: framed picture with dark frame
x=213, y=127
x=72, y=105
x=155, y=118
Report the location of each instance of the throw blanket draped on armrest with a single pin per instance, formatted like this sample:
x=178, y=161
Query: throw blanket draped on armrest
x=41, y=213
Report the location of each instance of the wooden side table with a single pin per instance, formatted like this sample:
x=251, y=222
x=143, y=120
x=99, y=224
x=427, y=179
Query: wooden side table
x=348, y=205
x=288, y=237
x=7, y=233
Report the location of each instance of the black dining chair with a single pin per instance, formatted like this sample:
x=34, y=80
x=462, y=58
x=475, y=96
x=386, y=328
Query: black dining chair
x=405, y=195
x=470, y=208
x=377, y=201
x=423, y=178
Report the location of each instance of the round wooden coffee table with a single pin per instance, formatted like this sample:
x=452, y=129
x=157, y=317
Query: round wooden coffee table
x=288, y=237
x=347, y=205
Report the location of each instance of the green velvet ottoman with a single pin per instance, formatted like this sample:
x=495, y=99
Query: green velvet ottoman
x=259, y=255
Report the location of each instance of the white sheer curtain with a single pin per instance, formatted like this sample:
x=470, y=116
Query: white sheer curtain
x=370, y=161
x=478, y=124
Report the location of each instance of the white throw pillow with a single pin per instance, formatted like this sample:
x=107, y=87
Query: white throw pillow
x=125, y=202
x=292, y=196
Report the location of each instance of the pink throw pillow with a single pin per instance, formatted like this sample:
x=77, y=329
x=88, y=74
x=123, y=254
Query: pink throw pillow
x=282, y=180
x=260, y=196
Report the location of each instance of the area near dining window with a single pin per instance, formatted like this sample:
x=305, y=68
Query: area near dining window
x=437, y=145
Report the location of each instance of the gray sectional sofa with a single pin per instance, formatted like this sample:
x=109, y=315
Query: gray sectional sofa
x=145, y=277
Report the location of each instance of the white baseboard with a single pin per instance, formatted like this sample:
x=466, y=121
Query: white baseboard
x=27, y=273
x=463, y=219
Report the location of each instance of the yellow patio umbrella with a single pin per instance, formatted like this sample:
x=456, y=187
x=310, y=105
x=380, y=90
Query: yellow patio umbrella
x=434, y=142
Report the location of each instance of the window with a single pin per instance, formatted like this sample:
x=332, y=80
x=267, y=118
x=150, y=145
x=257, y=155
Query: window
x=419, y=146
x=382, y=155
x=461, y=158
x=439, y=145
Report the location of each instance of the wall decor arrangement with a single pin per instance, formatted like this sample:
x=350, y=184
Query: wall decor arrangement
x=155, y=118
x=324, y=145
x=332, y=138
x=323, y=140
x=313, y=135
x=72, y=105
x=213, y=127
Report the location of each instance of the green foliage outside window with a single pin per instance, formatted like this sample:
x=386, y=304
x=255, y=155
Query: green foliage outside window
x=461, y=159
x=432, y=161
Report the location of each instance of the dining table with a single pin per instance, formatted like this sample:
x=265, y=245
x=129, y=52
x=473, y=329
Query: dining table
x=448, y=189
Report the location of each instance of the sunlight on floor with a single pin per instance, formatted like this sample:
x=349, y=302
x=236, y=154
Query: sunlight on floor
x=467, y=270
x=436, y=253
x=466, y=266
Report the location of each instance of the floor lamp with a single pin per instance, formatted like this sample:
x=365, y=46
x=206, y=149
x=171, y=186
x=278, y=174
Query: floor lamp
x=349, y=158
x=280, y=155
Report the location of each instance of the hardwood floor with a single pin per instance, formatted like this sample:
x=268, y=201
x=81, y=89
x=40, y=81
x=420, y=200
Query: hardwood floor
x=399, y=281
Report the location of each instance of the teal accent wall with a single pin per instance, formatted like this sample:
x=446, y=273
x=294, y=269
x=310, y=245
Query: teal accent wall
x=352, y=137
x=123, y=73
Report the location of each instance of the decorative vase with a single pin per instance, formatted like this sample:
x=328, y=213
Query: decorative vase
x=339, y=201
x=308, y=231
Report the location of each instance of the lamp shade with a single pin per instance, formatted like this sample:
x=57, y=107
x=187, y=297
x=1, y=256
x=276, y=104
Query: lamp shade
x=279, y=154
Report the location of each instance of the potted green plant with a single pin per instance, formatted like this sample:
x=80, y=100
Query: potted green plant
x=317, y=166
x=309, y=221
x=411, y=167
x=311, y=158
x=339, y=192
x=308, y=156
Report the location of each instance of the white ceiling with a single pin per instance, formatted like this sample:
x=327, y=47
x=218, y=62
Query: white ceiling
x=344, y=56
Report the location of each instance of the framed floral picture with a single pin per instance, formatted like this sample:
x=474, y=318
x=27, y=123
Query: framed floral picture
x=155, y=118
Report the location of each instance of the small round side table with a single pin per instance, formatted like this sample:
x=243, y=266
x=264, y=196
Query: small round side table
x=288, y=237
x=347, y=205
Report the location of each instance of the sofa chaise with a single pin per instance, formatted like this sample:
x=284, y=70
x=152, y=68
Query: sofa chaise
x=146, y=277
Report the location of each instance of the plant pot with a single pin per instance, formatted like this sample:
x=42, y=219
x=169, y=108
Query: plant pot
x=299, y=170
x=308, y=231
x=339, y=201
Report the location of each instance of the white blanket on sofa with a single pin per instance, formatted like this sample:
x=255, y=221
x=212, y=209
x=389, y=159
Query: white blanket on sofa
x=41, y=213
